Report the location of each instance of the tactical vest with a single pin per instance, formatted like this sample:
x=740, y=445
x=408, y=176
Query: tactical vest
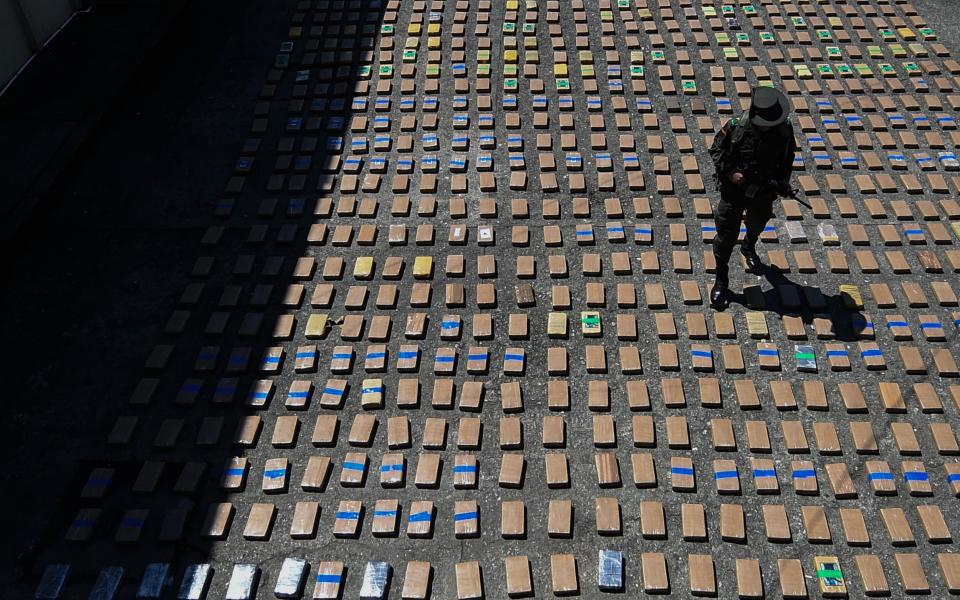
x=743, y=147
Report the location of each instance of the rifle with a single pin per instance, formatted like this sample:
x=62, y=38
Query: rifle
x=784, y=190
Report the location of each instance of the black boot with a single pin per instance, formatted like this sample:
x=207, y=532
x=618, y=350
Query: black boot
x=748, y=250
x=718, y=294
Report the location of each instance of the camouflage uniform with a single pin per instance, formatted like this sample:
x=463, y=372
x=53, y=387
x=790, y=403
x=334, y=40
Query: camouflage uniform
x=762, y=157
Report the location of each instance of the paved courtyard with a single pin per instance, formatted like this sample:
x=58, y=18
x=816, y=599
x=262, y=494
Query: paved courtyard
x=447, y=331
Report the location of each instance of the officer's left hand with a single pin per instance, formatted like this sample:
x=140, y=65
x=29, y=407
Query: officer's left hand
x=783, y=188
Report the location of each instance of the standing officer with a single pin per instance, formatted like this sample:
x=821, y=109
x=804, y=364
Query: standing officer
x=753, y=157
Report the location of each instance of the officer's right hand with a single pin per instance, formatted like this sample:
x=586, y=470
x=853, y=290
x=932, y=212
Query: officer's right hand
x=736, y=178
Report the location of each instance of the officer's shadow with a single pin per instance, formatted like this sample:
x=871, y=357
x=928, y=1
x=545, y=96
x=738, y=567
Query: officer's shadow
x=787, y=297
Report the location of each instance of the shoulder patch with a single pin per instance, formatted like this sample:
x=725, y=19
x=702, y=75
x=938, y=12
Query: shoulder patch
x=734, y=121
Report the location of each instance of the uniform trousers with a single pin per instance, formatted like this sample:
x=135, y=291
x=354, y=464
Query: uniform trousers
x=733, y=209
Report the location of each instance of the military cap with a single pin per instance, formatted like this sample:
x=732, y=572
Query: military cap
x=768, y=107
